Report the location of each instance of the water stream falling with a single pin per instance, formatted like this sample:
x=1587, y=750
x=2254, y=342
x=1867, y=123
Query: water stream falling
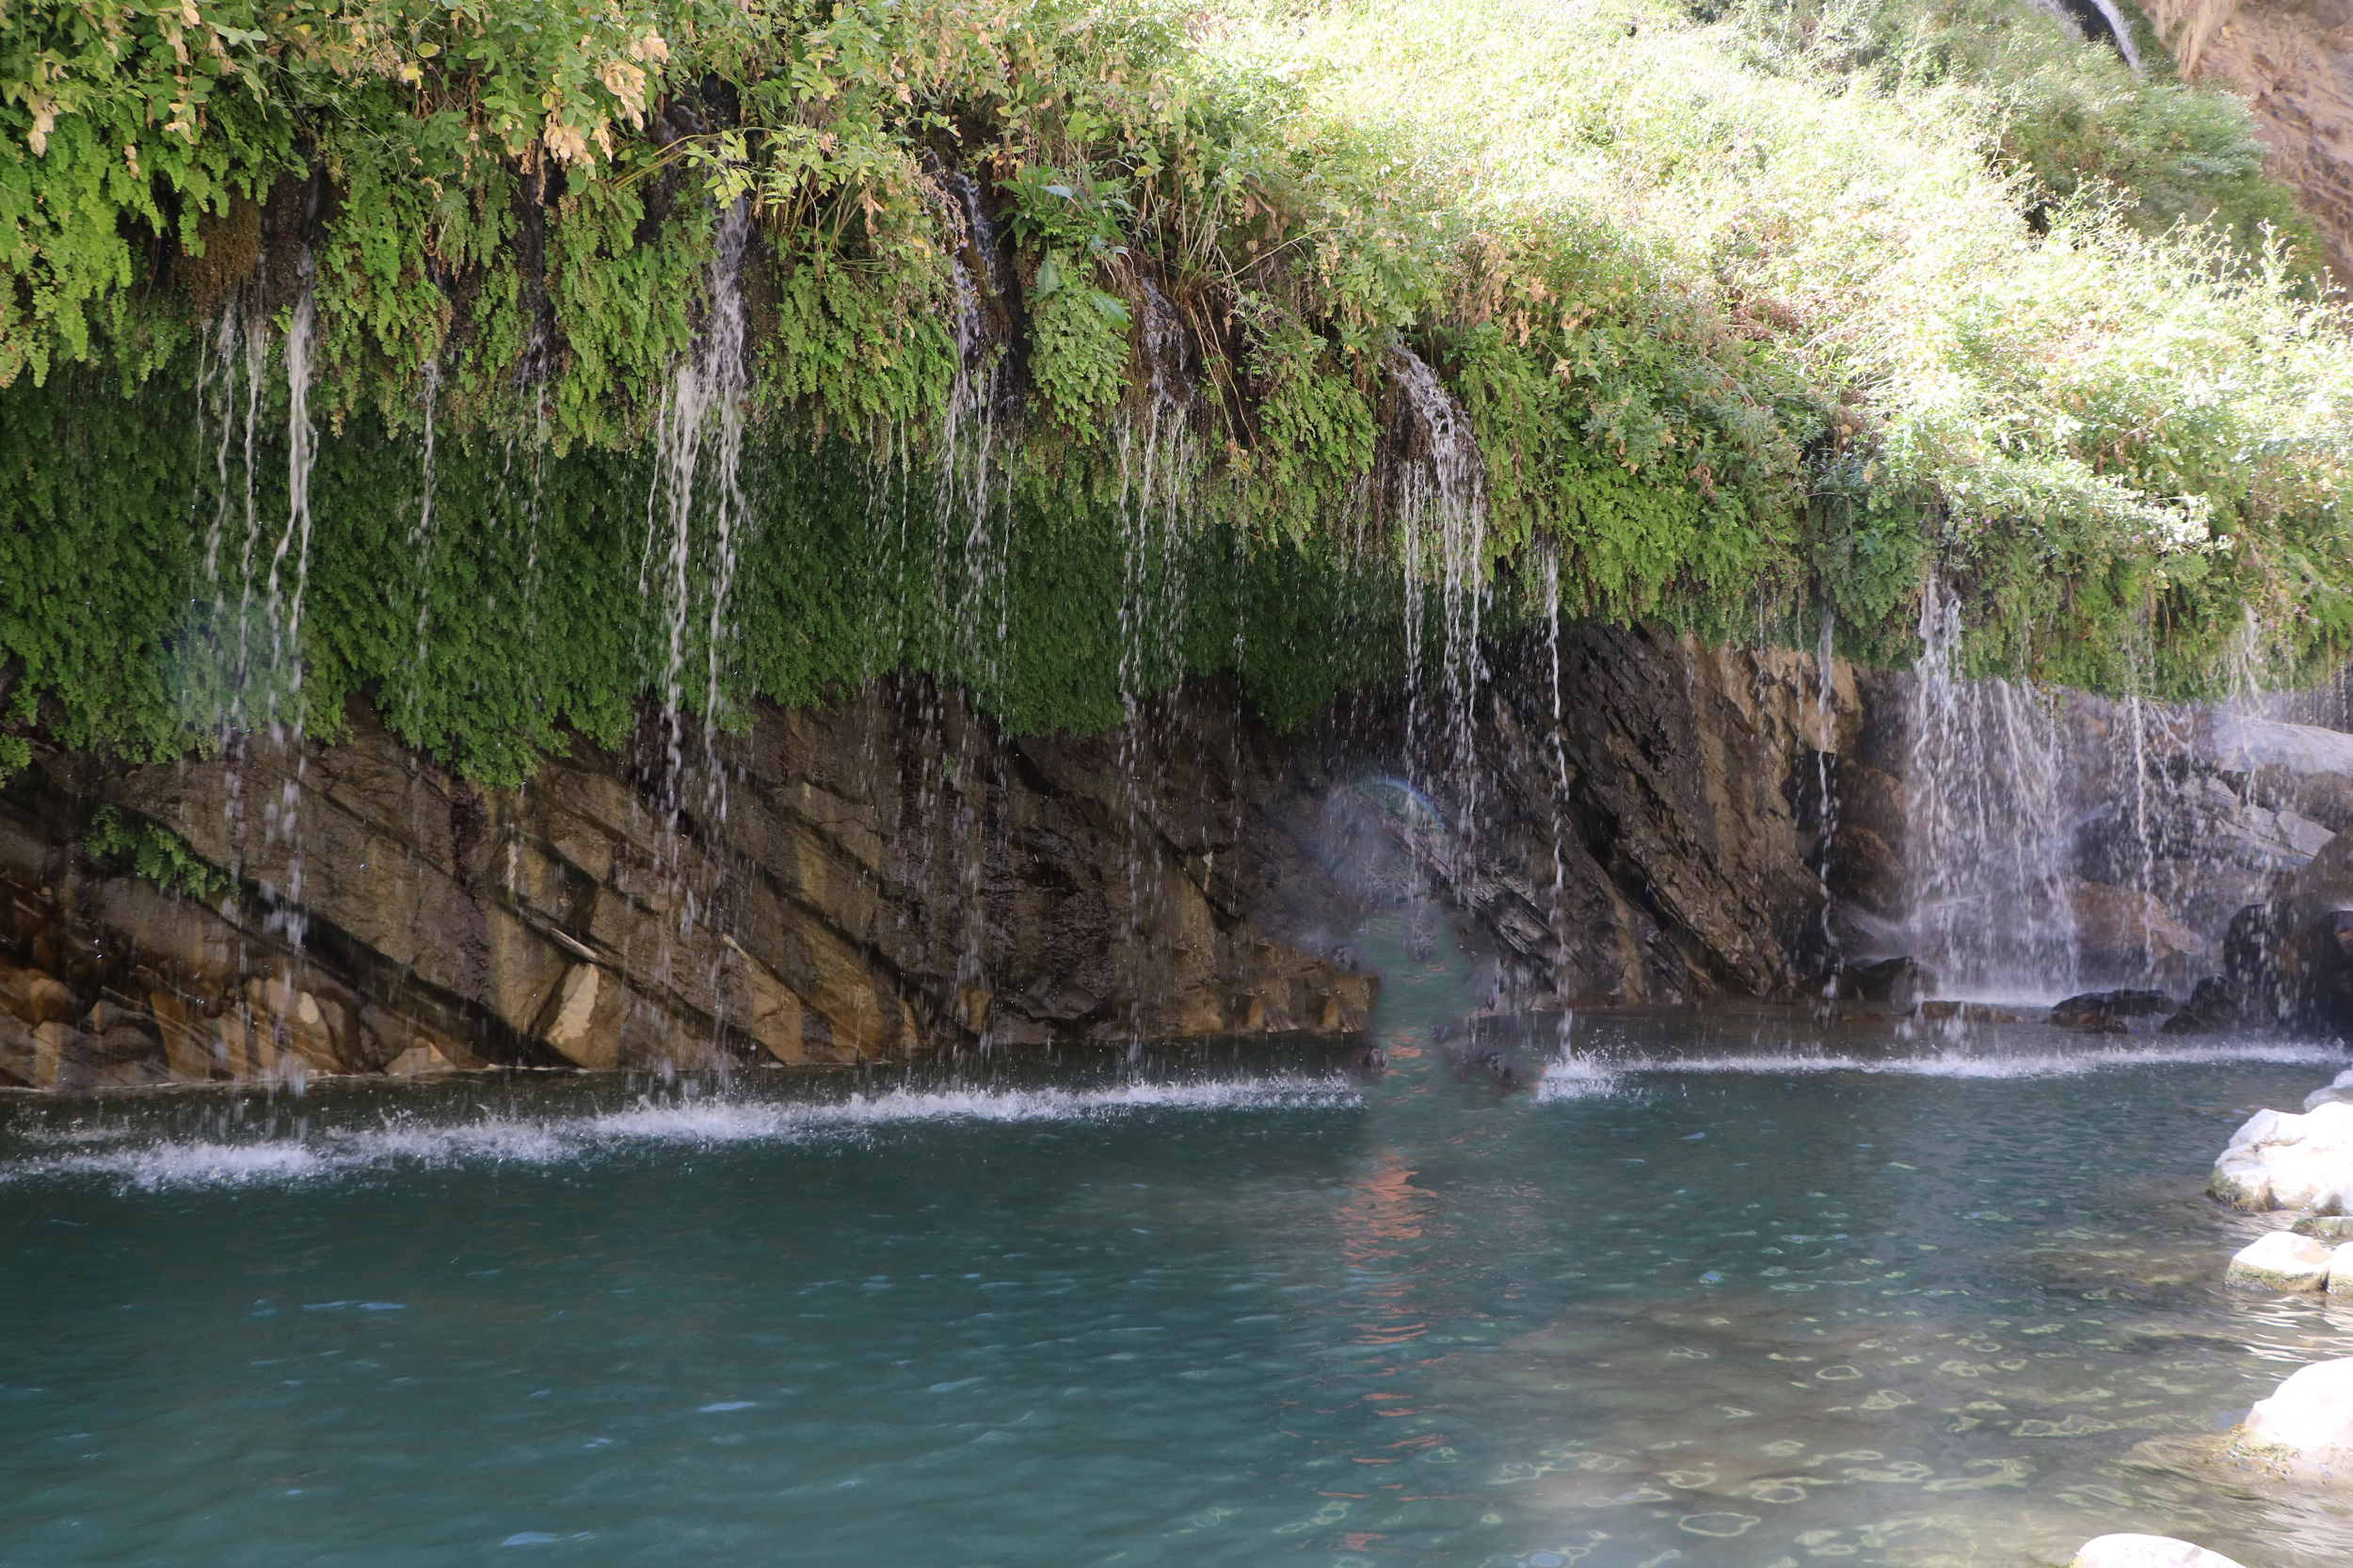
x=1987, y=827
x=971, y=488
x=1158, y=464
x=1549, y=567
x=1825, y=784
x=1441, y=538
x=695, y=513
x=421, y=537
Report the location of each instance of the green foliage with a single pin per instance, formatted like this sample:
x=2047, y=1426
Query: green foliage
x=1774, y=308
x=153, y=851
x=1078, y=341
x=513, y=619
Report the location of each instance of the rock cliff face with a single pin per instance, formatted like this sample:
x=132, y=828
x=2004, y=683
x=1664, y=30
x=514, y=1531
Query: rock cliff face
x=864, y=884
x=2293, y=60
x=892, y=877
x=1659, y=841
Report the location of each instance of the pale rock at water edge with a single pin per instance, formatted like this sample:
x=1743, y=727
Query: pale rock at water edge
x=2147, y=1551
x=2339, y=1091
x=2277, y=1160
x=420, y=1060
x=2306, y=1428
x=2281, y=1261
x=2341, y=1269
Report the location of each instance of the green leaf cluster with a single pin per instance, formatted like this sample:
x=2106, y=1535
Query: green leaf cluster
x=151, y=851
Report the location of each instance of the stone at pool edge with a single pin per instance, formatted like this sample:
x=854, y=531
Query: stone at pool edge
x=2305, y=1429
x=2339, y=1091
x=2281, y=1261
x=2147, y=1551
x=2280, y=1160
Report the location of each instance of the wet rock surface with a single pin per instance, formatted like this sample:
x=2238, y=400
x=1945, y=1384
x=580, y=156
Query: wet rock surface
x=1655, y=841
x=2277, y=1160
x=892, y=876
x=2110, y=1012
x=863, y=884
x=2281, y=1261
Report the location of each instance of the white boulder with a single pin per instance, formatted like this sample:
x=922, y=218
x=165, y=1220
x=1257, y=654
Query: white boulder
x=2339, y=1091
x=2306, y=1428
x=2147, y=1551
x=2281, y=1261
x=2277, y=1160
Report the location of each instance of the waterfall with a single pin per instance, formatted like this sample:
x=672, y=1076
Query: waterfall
x=1157, y=466
x=971, y=488
x=1825, y=786
x=702, y=415
x=695, y=512
x=1549, y=563
x=421, y=539
x=1986, y=826
x=1441, y=538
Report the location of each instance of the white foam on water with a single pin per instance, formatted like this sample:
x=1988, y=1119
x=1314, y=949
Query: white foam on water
x=2014, y=1064
x=1574, y=1080
x=149, y=1164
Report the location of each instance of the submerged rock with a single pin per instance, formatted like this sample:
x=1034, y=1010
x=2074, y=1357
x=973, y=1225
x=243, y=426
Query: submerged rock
x=2281, y=1261
x=2305, y=1429
x=1901, y=982
x=2130, y=930
x=2339, y=1091
x=1966, y=1012
x=2216, y=1005
x=2147, y=1551
x=2277, y=1161
x=2105, y=1012
x=2331, y=1228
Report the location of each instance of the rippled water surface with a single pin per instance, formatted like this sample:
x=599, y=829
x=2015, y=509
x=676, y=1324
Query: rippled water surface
x=1757, y=1296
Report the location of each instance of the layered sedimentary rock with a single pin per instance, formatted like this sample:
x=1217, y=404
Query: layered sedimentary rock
x=1656, y=842
x=892, y=876
x=862, y=884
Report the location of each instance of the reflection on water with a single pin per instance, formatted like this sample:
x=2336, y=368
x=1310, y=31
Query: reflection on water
x=1733, y=1291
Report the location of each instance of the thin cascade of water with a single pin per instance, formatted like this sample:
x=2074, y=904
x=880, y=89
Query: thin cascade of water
x=1156, y=469
x=285, y=717
x=1986, y=826
x=971, y=488
x=1441, y=538
x=1826, y=793
x=695, y=512
x=1549, y=567
x=421, y=539
x=218, y=674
